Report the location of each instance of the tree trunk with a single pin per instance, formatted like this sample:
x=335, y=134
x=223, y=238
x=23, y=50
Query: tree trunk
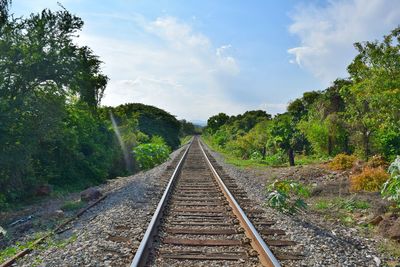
x=263, y=152
x=291, y=156
x=330, y=145
x=346, y=144
x=365, y=138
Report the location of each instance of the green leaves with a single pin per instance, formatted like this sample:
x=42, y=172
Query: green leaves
x=151, y=154
x=391, y=188
x=287, y=196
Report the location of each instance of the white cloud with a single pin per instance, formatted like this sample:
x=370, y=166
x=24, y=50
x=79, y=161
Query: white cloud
x=327, y=33
x=180, y=71
x=274, y=108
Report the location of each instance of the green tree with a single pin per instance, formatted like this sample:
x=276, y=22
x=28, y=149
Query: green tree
x=216, y=121
x=46, y=132
x=284, y=135
x=186, y=128
x=373, y=98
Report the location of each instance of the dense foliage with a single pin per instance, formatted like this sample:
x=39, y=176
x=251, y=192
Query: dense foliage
x=358, y=115
x=391, y=188
x=52, y=130
x=150, y=121
x=49, y=92
x=151, y=154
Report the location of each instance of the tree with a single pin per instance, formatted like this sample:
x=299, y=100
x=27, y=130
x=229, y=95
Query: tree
x=373, y=98
x=216, y=121
x=43, y=100
x=187, y=128
x=285, y=135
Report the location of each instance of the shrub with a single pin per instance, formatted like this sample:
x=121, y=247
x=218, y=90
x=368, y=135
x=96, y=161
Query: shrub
x=286, y=196
x=151, y=154
x=377, y=161
x=370, y=179
x=342, y=162
x=391, y=188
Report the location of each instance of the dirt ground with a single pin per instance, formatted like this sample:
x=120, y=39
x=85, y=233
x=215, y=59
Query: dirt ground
x=40, y=216
x=332, y=203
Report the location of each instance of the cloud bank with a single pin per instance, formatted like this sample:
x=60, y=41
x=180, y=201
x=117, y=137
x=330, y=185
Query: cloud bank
x=327, y=33
x=174, y=68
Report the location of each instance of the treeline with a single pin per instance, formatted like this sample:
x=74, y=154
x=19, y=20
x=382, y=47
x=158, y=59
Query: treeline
x=358, y=115
x=52, y=129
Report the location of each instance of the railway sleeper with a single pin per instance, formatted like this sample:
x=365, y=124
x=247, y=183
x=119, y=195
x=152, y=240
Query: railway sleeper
x=200, y=255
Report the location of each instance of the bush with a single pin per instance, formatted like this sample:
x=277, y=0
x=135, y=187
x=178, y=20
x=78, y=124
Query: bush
x=342, y=162
x=370, y=179
x=391, y=188
x=151, y=154
x=286, y=196
x=377, y=161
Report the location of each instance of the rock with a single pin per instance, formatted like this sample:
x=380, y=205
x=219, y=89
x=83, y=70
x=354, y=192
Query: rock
x=377, y=261
x=316, y=191
x=44, y=190
x=91, y=193
x=394, y=230
x=376, y=220
x=2, y=231
x=56, y=214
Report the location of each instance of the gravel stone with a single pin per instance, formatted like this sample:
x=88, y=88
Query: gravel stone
x=322, y=246
x=109, y=233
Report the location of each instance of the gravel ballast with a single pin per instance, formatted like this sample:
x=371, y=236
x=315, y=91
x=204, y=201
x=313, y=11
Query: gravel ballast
x=335, y=245
x=109, y=233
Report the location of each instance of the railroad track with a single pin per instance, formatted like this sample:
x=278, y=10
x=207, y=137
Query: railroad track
x=199, y=222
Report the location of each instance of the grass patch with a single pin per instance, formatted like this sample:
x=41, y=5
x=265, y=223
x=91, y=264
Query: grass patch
x=9, y=252
x=50, y=242
x=341, y=209
x=322, y=205
x=306, y=160
x=389, y=247
x=269, y=161
x=345, y=204
x=73, y=205
x=185, y=140
x=240, y=163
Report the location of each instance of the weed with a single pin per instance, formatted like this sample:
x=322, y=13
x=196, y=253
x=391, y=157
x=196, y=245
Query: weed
x=389, y=247
x=287, y=196
x=346, y=219
x=322, y=205
x=50, y=242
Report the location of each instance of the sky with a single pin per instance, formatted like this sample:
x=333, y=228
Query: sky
x=198, y=58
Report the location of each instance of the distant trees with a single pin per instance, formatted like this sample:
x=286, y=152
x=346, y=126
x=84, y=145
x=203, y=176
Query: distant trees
x=151, y=121
x=360, y=114
x=214, y=122
x=187, y=128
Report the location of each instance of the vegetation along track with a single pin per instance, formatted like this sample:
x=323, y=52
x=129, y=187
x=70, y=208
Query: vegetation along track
x=199, y=222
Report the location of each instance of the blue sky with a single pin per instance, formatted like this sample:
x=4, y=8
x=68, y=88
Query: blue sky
x=197, y=58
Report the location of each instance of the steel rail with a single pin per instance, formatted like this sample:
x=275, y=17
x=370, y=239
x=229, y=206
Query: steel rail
x=143, y=249
x=265, y=255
